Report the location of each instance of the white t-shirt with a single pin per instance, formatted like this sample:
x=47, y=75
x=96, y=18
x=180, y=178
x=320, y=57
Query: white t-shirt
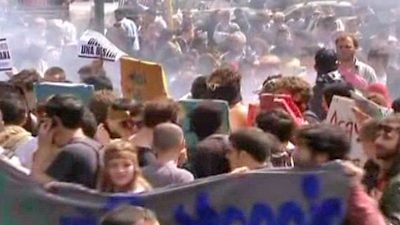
x=132, y=32
x=70, y=34
x=25, y=152
x=13, y=161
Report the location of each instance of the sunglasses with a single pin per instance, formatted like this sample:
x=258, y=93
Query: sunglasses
x=131, y=123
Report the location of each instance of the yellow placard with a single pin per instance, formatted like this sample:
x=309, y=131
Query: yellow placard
x=142, y=80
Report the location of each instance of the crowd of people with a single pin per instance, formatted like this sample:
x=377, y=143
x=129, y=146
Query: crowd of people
x=120, y=145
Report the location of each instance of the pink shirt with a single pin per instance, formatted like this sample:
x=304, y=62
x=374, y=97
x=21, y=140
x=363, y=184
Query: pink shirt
x=353, y=78
x=362, y=209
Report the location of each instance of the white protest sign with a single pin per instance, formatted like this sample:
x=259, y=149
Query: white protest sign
x=5, y=56
x=93, y=45
x=340, y=113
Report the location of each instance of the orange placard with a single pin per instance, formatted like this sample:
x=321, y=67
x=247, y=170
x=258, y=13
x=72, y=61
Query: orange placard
x=142, y=80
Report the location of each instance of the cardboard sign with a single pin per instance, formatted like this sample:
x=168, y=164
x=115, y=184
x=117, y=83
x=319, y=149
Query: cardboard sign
x=46, y=89
x=287, y=196
x=93, y=45
x=5, y=56
x=271, y=101
x=340, y=113
x=369, y=107
x=142, y=81
x=188, y=105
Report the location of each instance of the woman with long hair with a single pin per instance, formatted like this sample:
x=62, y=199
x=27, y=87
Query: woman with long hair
x=121, y=172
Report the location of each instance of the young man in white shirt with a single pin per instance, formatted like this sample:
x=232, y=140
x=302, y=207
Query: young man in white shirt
x=130, y=28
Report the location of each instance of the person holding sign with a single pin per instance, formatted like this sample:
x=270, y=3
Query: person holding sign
x=388, y=152
x=322, y=143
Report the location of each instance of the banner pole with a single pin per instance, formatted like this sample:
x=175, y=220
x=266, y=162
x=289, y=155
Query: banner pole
x=99, y=15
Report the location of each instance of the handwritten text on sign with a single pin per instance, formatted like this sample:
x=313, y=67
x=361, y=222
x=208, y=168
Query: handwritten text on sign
x=5, y=56
x=340, y=113
x=349, y=126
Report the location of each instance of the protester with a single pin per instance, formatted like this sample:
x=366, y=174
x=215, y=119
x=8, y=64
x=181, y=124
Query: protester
x=225, y=27
x=206, y=119
x=99, y=104
x=124, y=118
x=199, y=88
x=225, y=84
x=367, y=136
x=14, y=137
x=129, y=215
x=169, y=145
x=89, y=124
x=281, y=125
x=300, y=92
x=227, y=52
x=121, y=171
x=9, y=156
x=127, y=32
x=326, y=65
x=155, y=113
x=64, y=152
x=95, y=69
x=251, y=148
x=319, y=144
x=209, y=157
x=54, y=74
x=353, y=70
x=387, y=151
x=25, y=80
x=339, y=89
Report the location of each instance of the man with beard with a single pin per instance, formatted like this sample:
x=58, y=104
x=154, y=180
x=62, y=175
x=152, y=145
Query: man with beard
x=388, y=151
x=322, y=143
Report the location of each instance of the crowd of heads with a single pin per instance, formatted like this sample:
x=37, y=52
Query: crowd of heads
x=255, y=42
